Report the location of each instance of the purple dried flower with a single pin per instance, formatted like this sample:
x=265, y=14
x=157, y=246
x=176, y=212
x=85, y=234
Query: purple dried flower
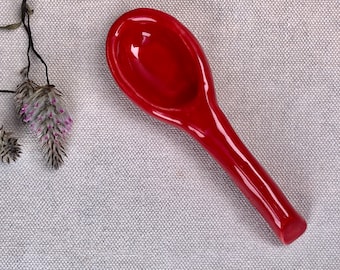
x=43, y=108
x=10, y=150
x=22, y=96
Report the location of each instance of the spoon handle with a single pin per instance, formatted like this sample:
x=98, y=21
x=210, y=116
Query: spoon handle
x=224, y=145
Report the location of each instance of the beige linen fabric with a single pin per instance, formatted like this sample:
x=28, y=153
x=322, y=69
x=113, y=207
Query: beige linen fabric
x=135, y=193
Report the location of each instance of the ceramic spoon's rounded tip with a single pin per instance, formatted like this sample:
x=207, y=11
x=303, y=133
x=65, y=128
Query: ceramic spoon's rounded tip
x=293, y=230
x=155, y=60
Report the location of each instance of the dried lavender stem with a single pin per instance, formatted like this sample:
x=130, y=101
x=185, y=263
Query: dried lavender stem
x=25, y=13
x=7, y=91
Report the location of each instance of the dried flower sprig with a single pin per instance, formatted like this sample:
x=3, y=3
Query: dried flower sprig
x=41, y=107
x=10, y=150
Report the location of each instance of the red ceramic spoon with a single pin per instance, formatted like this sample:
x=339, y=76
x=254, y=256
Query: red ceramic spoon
x=160, y=65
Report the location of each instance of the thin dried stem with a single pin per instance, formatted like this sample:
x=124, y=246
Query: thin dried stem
x=25, y=20
x=7, y=91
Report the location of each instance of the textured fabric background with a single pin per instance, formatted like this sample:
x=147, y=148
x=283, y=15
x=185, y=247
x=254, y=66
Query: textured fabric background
x=135, y=193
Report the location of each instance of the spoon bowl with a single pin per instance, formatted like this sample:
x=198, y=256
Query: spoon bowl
x=160, y=65
x=152, y=65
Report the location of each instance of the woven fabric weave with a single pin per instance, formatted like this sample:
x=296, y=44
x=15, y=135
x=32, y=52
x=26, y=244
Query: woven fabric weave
x=135, y=193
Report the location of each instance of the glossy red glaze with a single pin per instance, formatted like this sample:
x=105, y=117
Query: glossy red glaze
x=160, y=65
